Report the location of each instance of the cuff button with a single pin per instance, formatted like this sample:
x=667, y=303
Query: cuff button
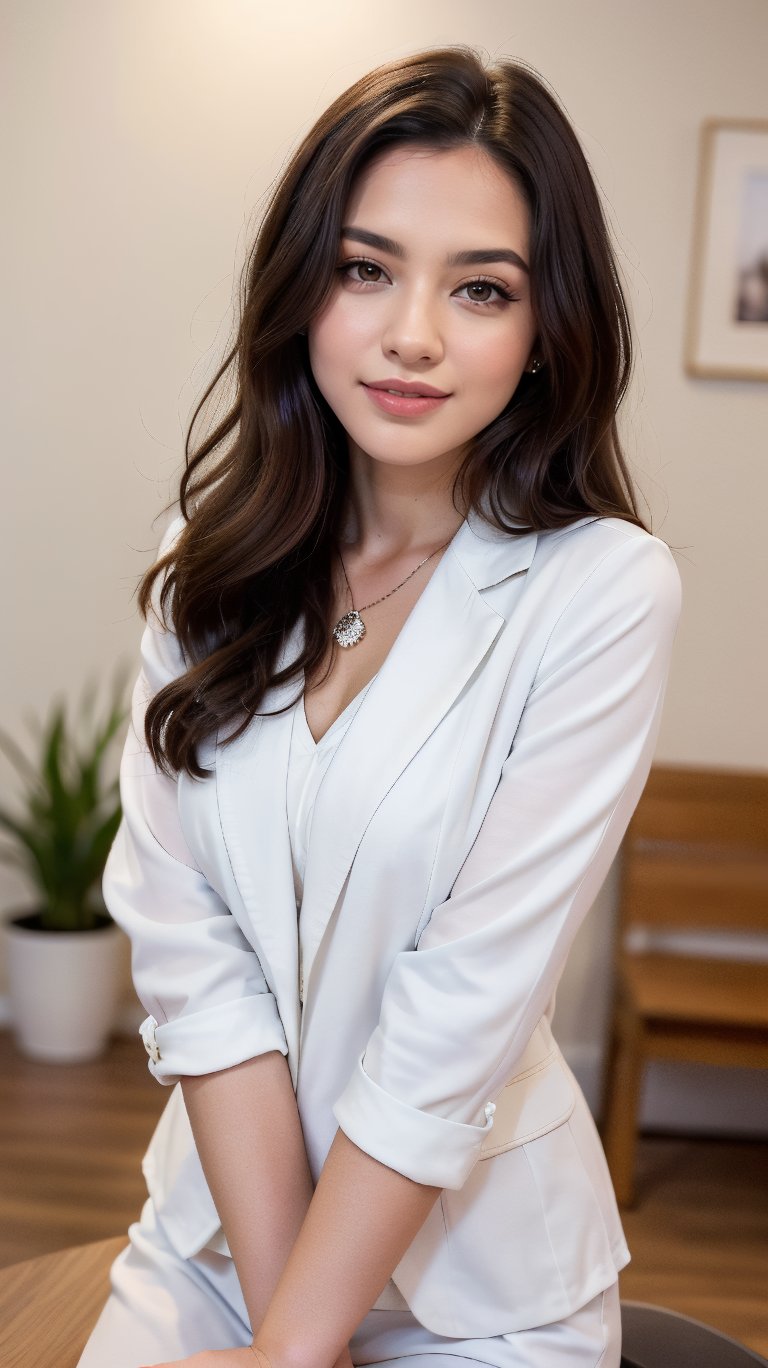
x=147, y=1032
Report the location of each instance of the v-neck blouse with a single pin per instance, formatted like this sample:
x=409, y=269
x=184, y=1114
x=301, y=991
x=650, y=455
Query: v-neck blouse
x=307, y=764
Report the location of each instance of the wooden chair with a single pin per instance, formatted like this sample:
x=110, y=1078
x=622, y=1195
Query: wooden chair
x=48, y=1306
x=695, y=857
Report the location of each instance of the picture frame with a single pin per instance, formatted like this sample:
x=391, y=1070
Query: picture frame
x=727, y=322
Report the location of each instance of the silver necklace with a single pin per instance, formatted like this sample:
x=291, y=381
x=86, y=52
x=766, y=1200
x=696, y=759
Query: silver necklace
x=350, y=628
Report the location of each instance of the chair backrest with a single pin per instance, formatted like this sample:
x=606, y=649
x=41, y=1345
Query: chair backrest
x=695, y=855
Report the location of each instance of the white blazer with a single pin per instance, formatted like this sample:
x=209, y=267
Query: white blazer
x=465, y=825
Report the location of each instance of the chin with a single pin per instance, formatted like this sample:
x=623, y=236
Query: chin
x=400, y=455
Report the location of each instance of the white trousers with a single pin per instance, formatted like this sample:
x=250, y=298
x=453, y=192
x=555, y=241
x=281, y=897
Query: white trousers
x=163, y=1307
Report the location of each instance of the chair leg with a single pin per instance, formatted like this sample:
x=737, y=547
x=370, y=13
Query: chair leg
x=621, y=1101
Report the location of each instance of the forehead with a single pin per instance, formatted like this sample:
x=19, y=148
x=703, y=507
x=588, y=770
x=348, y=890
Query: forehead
x=461, y=197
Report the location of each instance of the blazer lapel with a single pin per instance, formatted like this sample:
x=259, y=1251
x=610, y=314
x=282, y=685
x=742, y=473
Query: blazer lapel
x=440, y=646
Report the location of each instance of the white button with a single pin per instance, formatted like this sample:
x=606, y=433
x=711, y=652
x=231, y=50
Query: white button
x=147, y=1032
x=490, y=1108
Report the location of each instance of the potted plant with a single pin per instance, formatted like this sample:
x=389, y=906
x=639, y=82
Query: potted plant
x=64, y=952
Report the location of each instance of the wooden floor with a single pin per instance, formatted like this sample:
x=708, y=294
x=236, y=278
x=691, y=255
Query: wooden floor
x=71, y=1139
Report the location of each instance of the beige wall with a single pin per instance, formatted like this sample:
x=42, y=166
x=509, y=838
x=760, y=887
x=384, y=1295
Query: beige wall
x=141, y=138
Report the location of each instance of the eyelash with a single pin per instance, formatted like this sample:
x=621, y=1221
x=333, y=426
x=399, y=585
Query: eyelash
x=505, y=295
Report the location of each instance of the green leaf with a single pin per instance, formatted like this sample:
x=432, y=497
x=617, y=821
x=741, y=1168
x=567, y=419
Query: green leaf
x=99, y=845
x=70, y=809
x=19, y=760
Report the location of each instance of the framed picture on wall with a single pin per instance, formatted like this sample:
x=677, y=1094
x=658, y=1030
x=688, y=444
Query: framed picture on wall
x=727, y=328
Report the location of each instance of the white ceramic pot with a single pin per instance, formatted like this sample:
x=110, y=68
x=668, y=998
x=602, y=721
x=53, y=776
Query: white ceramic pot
x=64, y=988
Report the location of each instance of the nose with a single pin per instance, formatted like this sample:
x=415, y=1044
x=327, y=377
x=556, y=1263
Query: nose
x=412, y=331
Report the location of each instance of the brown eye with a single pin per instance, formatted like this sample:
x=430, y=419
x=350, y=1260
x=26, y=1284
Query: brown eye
x=367, y=271
x=481, y=291
x=487, y=294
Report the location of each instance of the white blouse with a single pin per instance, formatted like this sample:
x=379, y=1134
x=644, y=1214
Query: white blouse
x=308, y=762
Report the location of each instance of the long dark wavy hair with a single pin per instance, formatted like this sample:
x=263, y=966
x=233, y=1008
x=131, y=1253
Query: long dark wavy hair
x=263, y=493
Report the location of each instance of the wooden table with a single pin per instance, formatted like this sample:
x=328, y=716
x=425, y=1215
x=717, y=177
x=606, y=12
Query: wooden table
x=49, y=1305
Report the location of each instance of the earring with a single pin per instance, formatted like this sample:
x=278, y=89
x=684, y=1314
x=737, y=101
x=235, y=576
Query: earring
x=535, y=366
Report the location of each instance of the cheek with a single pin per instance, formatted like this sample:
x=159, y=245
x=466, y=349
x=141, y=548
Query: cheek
x=323, y=347
x=494, y=369
x=495, y=351
x=321, y=337
x=336, y=332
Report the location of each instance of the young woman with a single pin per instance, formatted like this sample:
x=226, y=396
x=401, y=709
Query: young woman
x=405, y=655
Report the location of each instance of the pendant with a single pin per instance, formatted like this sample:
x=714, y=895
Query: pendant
x=349, y=629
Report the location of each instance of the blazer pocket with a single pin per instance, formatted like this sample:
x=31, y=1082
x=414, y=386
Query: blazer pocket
x=535, y=1101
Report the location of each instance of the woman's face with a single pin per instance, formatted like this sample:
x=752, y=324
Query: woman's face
x=431, y=294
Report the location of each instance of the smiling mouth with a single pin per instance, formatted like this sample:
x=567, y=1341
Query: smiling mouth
x=406, y=390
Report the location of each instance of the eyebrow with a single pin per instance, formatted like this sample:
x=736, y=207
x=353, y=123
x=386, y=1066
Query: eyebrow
x=484, y=256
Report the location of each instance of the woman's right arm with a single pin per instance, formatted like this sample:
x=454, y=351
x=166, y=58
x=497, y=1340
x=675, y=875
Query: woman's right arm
x=248, y=1134
x=194, y=970
x=213, y=1021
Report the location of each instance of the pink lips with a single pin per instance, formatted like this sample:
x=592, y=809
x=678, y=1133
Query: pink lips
x=410, y=398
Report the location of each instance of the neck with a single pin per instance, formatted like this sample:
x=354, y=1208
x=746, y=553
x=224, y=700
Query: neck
x=390, y=512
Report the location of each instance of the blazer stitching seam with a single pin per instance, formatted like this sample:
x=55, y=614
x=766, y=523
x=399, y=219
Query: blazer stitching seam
x=534, y=1068
x=531, y=1135
x=183, y=864
x=396, y=781
x=510, y=574
x=604, y=1328
x=595, y=851
x=218, y=769
x=420, y=929
x=541, y=1130
x=140, y=776
x=448, y=1244
x=537, y=683
x=543, y=1209
x=593, y=1189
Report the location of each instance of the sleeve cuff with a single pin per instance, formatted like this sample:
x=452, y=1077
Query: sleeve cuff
x=426, y=1148
x=214, y=1039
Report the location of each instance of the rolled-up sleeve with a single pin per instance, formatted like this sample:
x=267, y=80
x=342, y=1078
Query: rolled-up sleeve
x=194, y=971
x=459, y=1009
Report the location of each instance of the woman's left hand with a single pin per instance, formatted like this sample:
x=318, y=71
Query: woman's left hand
x=240, y=1358
x=217, y=1358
